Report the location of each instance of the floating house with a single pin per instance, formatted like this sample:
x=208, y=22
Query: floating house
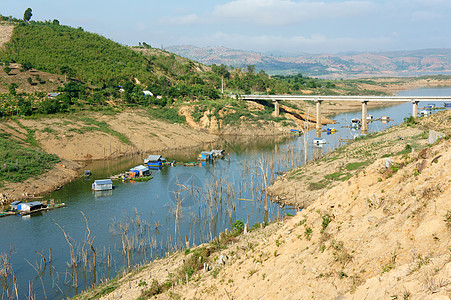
x=355, y=123
x=424, y=113
x=15, y=204
x=155, y=161
x=319, y=141
x=205, y=155
x=139, y=171
x=217, y=153
x=102, y=185
x=29, y=207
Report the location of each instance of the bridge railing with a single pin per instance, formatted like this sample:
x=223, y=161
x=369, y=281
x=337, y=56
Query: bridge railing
x=346, y=98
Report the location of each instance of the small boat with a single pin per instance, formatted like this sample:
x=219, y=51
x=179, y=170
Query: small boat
x=385, y=119
x=190, y=164
x=369, y=117
x=355, y=123
x=424, y=113
x=319, y=141
x=447, y=104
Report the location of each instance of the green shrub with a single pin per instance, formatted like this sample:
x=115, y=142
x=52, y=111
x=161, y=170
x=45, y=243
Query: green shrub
x=19, y=163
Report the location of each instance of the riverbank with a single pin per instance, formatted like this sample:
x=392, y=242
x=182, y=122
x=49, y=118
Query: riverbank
x=99, y=136
x=383, y=232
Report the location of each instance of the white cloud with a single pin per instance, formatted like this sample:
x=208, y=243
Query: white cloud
x=274, y=12
x=287, y=12
x=190, y=19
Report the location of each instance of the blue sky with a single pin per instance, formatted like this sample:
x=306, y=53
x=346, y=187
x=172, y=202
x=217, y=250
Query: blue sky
x=305, y=26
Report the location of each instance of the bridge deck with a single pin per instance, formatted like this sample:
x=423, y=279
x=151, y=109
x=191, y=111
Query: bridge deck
x=347, y=98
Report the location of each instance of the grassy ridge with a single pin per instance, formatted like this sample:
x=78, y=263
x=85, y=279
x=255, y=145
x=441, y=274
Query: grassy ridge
x=90, y=57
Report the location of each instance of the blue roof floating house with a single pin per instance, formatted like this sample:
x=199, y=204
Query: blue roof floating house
x=102, y=185
x=155, y=161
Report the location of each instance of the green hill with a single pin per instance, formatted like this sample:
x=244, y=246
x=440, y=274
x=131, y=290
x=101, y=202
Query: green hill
x=87, y=70
x=85, y=56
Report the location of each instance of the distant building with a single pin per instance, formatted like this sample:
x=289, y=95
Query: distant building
x=53, y=95
x=147, y=93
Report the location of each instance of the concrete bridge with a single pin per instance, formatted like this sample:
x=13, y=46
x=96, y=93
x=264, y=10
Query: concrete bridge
x=363, y=99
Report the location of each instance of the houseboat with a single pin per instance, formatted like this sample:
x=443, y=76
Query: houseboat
x=217, y=153
x=139, y=171
x=155, y=162
x=205, y=155
x=102, y=185
x=424, y=113
x=355, y=123
x=319, y=141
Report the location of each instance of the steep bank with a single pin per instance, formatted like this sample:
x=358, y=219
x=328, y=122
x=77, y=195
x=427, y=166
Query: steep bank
x=93, y=136
x=301, y=186
x=383, y=233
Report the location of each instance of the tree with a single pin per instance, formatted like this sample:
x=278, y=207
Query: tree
x=7, y=69
x=12, y=88
x=27, y=66
x=27, y=15
x=67, y=71
x=56, y=22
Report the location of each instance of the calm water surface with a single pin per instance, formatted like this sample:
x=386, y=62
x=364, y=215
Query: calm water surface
x=156, y=217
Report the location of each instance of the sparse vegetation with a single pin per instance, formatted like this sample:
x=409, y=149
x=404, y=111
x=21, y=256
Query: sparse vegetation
x=20, y=163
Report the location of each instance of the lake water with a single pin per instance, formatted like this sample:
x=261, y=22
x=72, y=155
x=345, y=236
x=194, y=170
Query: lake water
x=137, y=222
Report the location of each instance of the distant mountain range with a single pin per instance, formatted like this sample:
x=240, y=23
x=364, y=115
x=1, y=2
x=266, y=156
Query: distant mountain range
x=365, y=64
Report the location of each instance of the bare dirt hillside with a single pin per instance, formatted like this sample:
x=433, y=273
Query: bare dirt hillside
x=6, y=32
x=94, y=136
x=385, y=233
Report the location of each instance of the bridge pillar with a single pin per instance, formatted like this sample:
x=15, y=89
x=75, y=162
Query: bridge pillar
x=415, y=108
x=276, y=108
x=364, y=120
x=318, y=117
